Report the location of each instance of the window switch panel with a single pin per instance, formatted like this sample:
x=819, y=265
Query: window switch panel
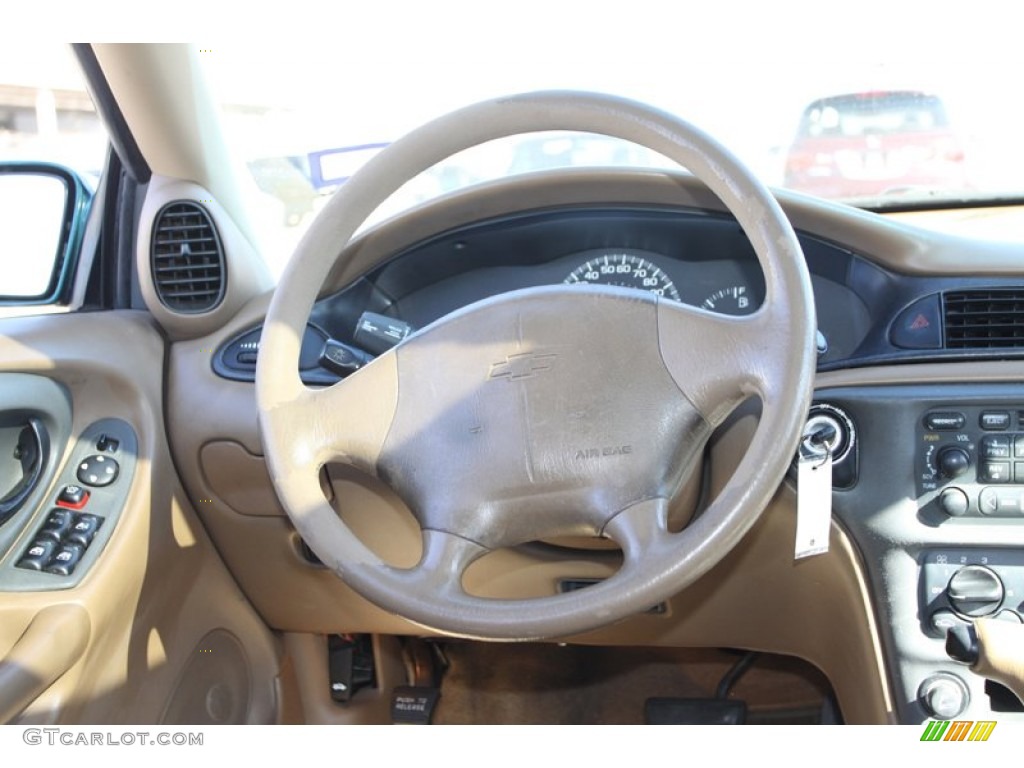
x=65, y=559
x=83, y=530
x=38, y=554
x=57, y=524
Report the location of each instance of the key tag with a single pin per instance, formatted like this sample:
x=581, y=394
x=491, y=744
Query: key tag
x=813, y=496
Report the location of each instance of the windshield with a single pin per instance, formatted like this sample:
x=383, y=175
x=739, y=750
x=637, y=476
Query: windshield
x=889, y=106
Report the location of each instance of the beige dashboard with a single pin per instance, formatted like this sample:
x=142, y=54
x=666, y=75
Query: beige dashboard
x=821, y=609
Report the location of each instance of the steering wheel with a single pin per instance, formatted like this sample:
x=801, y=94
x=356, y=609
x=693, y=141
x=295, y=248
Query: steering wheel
x=553, y=411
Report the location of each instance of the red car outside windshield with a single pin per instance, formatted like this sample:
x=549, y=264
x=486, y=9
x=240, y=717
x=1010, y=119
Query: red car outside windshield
x=875, y=144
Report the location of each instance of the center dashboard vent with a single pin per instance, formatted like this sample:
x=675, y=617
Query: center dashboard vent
x=187, y=258
x=984, y=319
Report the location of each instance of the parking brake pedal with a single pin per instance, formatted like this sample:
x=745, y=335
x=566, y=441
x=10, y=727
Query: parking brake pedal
x=413, y=705
x=425, y=665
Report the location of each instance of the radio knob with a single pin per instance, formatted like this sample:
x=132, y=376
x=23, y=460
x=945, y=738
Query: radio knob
x=953, y=461
x=975, y=590
x=954, y=502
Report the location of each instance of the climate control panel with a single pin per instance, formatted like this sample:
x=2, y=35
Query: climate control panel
x=970, y=461
x=959, y=585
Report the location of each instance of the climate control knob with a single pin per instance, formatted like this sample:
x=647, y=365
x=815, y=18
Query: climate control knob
x=952, y=461
x=975, y=590
x=944, y=696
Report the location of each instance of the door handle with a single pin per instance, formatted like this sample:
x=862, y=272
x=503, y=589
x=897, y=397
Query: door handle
x=30, y=451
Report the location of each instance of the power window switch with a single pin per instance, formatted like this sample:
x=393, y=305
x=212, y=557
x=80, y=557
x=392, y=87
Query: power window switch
x=73, y=497
x=84, y=529
x=58, y=522
x=65, y=559
x=107, y=444
x=38, y=555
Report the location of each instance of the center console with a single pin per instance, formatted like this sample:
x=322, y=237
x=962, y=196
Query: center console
x=937, y=511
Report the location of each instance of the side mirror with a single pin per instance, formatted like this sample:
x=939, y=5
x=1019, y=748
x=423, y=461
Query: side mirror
x=43, y=208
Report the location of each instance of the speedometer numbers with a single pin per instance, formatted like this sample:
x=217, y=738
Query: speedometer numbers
x=627, y=271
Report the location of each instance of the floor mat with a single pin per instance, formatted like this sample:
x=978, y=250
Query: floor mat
x=545, y=683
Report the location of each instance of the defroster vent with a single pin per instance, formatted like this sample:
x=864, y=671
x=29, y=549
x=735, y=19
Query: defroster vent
x=984, y=319
x=187, y=258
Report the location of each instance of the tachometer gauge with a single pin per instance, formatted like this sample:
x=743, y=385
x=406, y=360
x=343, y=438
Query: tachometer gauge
x=735, y=300
x=627, y=271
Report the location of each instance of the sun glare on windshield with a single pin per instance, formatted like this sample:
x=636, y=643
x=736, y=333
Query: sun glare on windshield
x=852, y=113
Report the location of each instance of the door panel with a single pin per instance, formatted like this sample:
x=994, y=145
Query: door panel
x=149, y=627
x=35, y=422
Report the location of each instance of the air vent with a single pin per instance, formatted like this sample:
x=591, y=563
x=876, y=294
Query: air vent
x=187, y=259
x=984, y=319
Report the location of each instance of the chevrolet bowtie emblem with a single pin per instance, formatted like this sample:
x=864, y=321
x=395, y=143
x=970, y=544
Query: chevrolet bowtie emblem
x=522, y=366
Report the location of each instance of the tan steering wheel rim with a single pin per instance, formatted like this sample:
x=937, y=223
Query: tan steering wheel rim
x=769, y=354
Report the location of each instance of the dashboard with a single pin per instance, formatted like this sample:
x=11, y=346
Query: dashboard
x=866, y=313
x=913, y=488
x=699, y=260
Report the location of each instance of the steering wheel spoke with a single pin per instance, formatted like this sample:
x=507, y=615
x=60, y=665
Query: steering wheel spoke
x=720, y=360
x=347, y=421
x=641, y=530
x=446, y=556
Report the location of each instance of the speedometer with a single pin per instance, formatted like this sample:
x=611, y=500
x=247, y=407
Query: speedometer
x=625, y=270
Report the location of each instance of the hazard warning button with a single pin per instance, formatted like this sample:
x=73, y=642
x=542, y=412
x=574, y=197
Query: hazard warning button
x=919, y=326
